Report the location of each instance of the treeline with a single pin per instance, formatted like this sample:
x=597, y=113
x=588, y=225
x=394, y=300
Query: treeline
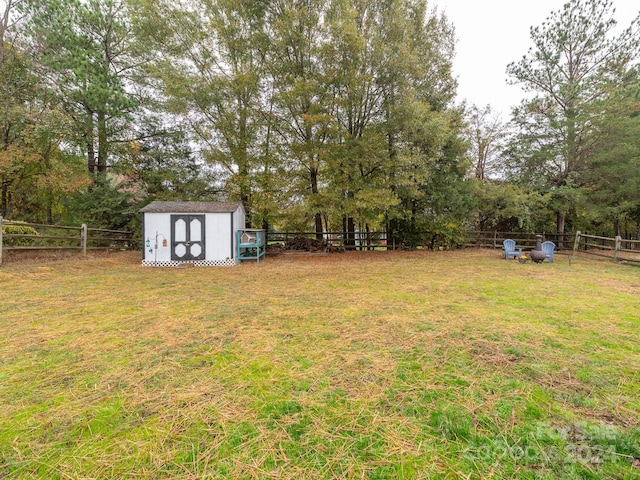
x=569, y=157
x=318, y=115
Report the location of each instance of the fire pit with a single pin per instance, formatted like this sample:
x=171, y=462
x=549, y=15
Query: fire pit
x=537, y=254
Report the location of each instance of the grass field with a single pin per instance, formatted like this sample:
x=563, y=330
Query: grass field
x=380, y=365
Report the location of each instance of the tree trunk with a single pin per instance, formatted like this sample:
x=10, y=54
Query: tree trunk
x=4, y=202
x=482, y=159
x=318, y=225
x=4, y=145
x=366, y=229
x=244, y=199
x=560, y=219
x=245, y=190
x=4, y=25
x=351, y=232
x=348, y=231
x=91, y=152
x=242, y=155
x=392, y=226
x=314, y=192
x=103, y=148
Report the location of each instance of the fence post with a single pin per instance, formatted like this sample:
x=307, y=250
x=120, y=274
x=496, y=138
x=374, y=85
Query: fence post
x=83, y=238
x=0, y=239
x=616, y=255
x=576, y=244
x=495, y=239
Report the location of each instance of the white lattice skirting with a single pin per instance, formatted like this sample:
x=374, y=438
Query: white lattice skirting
x=199, y=263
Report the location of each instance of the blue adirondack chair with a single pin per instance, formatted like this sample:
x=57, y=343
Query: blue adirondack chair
x=510, y=249
x=548, y=248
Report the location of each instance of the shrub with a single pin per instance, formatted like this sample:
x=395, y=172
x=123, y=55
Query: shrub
x=18, y=230
x=449, y=235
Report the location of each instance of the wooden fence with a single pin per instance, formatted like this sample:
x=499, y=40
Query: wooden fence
x=349, y=241
x=378, y=239
x=61, y=237
x=494, y=239
x=83, y=238
x=616, y=248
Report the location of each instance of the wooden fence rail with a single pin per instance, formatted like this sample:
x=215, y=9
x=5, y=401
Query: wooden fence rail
x=353, y=240
x=62, y=237
x=379, y=239
x=494, y=239
x=616, y=248
x=484, y=239
x=83, y=238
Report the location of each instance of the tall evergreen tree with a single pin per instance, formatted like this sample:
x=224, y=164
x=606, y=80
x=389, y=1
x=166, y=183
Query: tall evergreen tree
x=576, y=60
x=87, y=50
x=612, y=178
x=427, y=165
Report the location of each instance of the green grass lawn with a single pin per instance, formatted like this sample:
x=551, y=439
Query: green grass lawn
x=379, y=365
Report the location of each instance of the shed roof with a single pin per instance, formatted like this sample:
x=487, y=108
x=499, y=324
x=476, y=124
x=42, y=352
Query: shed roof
x=191, y=207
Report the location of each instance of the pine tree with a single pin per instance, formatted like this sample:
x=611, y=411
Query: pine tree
x=87, y=50
x=576, y=60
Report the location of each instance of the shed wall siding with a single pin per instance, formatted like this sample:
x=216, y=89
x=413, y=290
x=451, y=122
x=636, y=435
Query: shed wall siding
x=218, y=226
x=159, y=223
x=218, y=238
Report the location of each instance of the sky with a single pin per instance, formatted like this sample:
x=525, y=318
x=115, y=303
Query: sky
x=493, y=33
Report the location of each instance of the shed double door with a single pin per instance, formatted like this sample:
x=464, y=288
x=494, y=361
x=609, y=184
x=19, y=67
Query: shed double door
x=187, y=237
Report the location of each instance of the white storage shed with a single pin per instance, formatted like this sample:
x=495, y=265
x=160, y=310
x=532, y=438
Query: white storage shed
x=198, y=233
